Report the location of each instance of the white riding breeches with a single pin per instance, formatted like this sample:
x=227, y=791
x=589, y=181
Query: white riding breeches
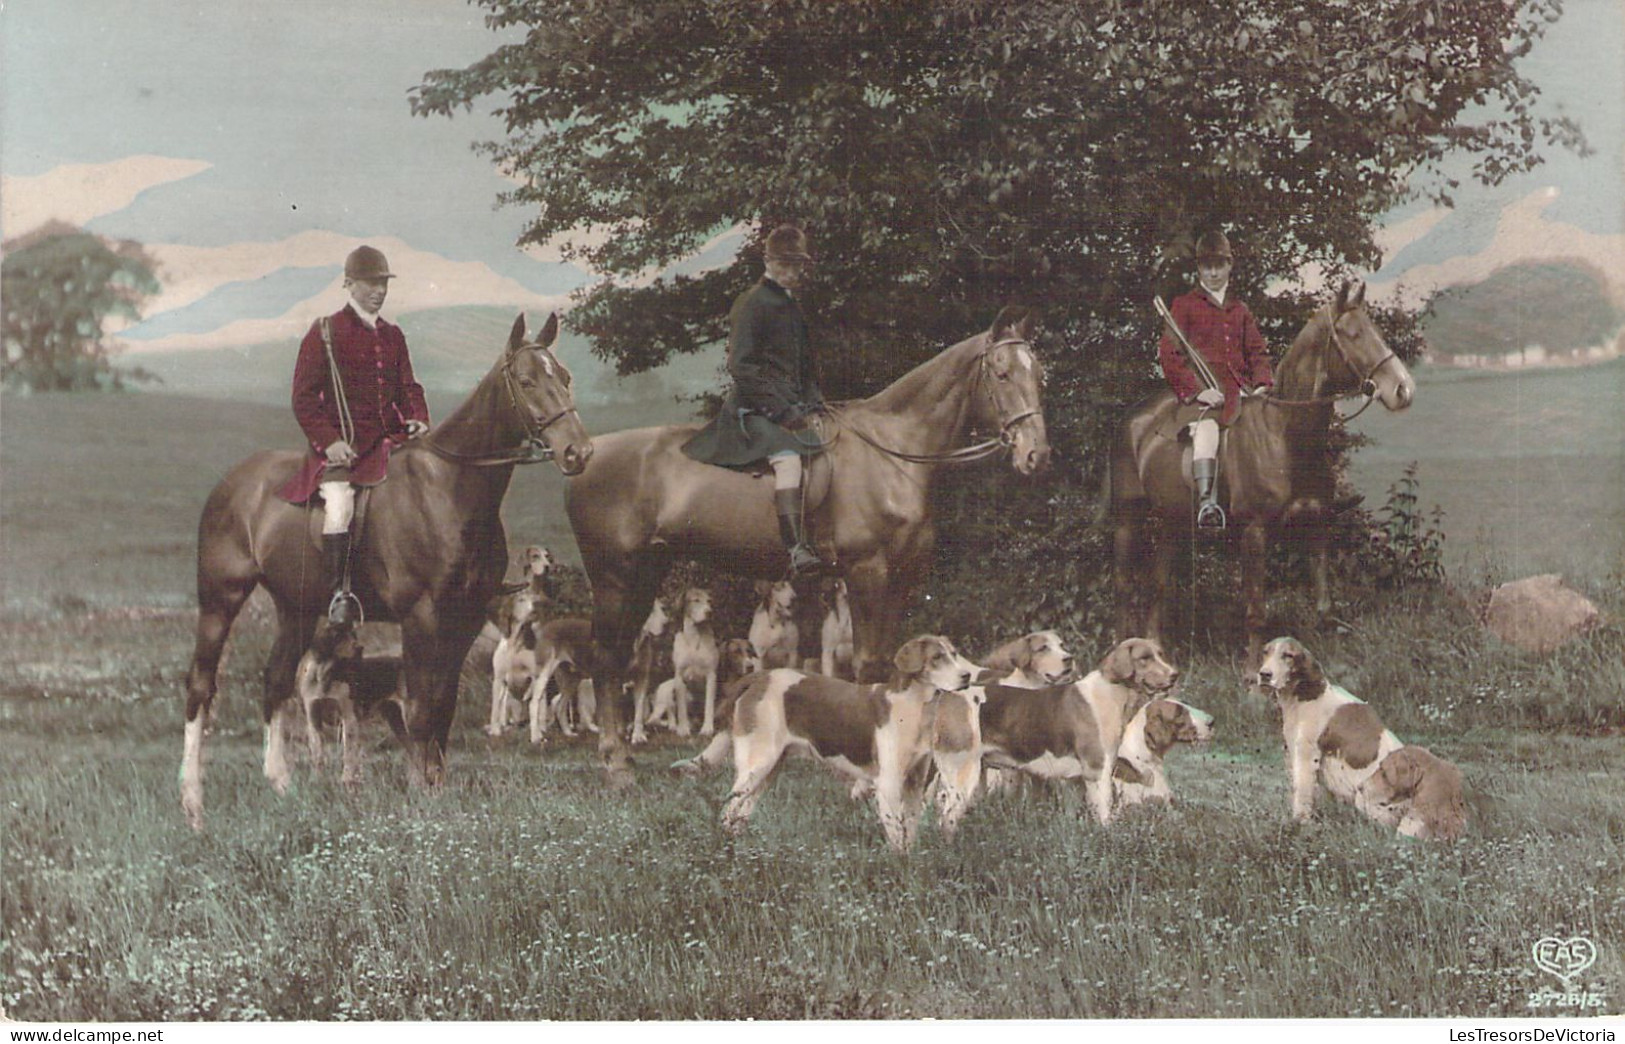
x=1204, y=438
x=338, y=506
x=786, y=469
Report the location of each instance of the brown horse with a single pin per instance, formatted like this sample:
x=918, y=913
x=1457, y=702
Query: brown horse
x=642, y=501
x=1273, y=465
x=430, y=555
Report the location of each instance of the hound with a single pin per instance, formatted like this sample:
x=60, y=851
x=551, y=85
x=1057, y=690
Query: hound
x=507, y=610
x=1030, y=662
x=564, y=644
x=1331, y=737
x=334, y=680
x=885, y=736
x=835, y=638
x=513, y=662
x=1417, y=792
x=1075, y=731
x=738, y=662
x=1147, y=738
x=773, y=630
x=650, y=660
x=694, y=658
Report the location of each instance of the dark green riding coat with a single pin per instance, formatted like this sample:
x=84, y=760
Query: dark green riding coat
x=770, y=360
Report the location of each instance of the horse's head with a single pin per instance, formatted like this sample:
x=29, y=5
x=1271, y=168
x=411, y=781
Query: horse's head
x=1013, y=379
x=540, y=387
x=1371, y=366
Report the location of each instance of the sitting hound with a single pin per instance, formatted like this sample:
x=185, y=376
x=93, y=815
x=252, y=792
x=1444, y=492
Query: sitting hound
x=1075, y=731
x=651, y=659
x=1147, y=739
x=739, y=662
x=694, y=661
x=505, y=611
x=886, y=736
x=1337, y=739
x=334, y=681
x=513, y=661
x=773, y=631
x=563, y=648
x=1030, y=662
x=835, y=647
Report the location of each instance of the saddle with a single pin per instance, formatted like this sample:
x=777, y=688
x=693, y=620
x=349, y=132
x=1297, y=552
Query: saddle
x=819, y=469
x=1176, y=428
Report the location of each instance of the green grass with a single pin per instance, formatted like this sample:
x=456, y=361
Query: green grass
x=525, y=888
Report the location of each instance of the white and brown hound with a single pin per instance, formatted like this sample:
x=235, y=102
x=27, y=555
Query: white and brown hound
x=835, y=647
x=563, y=645
x=334, y=681
x=694, y=660
x=1331, y=736
x=884, y=736
x=513, y=661
x=1075, y=731
x=773, y=630
x=505, y=612
x=1147, y=739
x=1418, y=793
x=1031, y=661
x=651, y=659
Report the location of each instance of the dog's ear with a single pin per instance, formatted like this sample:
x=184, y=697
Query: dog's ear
x=763, y=589
x=1118, y=666
x=910, y=659
x=1026, y=650
x=1309, y=679
x=1161, y=725
x=1401, y=772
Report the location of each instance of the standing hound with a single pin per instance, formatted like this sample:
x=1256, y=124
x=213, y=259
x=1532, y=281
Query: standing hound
x=835, y=644
x=1335, y=738
x=513, y=662
x=650, y=660
x=563, y=645
x=1030, y=662
x=1075, y=731
x=885, y=736
x=536, y=565
x=694, y=660
x=739, y=662
x=1147, y=739
x=773, y=630
x=334, y=680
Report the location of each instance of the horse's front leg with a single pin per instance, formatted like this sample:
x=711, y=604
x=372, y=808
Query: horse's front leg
x=1128, y=574
x=874, y=628
x=1169, y=543
x=294, y=630
x=1254, y=544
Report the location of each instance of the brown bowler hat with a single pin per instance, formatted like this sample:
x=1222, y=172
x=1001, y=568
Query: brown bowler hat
x=787, y=243
x=1213, y=246
x=367, y=262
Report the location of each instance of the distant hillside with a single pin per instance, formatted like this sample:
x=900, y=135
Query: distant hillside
x=1559, y=306
x=452, y=348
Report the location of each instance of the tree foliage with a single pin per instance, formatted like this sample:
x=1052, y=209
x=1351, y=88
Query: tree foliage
x=951, y=157
x=59, y=286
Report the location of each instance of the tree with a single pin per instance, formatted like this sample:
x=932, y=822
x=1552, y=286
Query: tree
x=59, y=286
x=951, y=157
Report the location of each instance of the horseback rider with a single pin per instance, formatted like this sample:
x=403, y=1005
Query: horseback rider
x=775, y=391
x=355, y=398
x=1221, y=328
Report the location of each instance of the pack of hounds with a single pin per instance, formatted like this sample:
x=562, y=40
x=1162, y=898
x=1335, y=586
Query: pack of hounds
x=943, y=728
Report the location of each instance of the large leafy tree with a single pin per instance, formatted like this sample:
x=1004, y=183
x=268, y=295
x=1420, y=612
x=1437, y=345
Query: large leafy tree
x=950, y=157
x=59, y=286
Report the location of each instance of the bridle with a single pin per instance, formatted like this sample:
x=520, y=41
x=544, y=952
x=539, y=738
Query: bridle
x=976, y=451
x=533, y=449
x=1367, y=382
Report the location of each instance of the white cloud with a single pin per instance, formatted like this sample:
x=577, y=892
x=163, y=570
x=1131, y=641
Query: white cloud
x=424, y=280
x=81, y=192
x=1522, y=233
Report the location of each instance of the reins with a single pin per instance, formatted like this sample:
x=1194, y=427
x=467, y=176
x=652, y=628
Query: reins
x=1368, y=384
x=964, y=454
x=534, y=449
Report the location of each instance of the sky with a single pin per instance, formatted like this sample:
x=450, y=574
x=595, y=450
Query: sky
x=251, y=146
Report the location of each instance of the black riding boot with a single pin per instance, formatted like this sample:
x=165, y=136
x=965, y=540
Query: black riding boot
x=1209, y=515
x=345, y=608
x=804, y=560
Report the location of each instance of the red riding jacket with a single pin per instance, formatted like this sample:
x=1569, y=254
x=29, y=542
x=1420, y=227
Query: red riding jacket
x=1228, y=338
x=382, y=393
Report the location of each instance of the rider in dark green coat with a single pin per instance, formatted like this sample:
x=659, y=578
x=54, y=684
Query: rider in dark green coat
x=775, y=390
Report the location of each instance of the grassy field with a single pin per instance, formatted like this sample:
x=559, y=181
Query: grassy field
x=525, y=889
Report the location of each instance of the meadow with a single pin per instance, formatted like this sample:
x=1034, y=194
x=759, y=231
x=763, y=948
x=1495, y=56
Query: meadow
x=525, y=889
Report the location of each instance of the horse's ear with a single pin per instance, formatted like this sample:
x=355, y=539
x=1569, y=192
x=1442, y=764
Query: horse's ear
x=1013, y=321
x=516, y=336
x=1358, y=297
x=1350, y=295
x=550, y=331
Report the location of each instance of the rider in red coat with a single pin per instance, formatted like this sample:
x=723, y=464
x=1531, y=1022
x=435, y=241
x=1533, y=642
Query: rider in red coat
x=1222, y=328
x=352, y=422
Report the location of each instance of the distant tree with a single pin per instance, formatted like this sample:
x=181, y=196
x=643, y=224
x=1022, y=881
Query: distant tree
x=1559, y=305
x=58, y=287
x=950, y=157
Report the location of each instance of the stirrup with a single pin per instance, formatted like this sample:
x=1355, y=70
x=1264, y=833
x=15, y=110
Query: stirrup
x=1210, y=515
x=805, y=563
x=344, y=609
